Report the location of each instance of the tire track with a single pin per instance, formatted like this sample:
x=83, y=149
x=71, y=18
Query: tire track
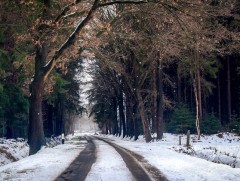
x=79, y=168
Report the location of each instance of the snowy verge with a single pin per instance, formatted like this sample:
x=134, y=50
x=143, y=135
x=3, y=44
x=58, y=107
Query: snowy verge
x=12, y=150
x=222, y=148
x=177, y=166
x=47, y=164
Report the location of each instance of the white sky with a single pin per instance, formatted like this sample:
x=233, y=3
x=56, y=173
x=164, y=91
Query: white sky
x=85, y=77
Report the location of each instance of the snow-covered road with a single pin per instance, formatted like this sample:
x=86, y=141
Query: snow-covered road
x=51, y=162
x=109, y=165
x=103, y=160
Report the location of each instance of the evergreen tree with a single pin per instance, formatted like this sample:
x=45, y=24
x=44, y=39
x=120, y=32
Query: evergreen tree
x=182, y=120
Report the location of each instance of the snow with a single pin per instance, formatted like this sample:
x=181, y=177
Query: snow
x=47, y=164
x=12, y=150
x=176, y=166
x=174, y=161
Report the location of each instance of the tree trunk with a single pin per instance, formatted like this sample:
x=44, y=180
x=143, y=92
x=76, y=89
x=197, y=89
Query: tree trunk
x=9, y=131
x=185, y=90
x=136, y=128
x=115, y=121
x=199, y=91
x=160, y=102
x=121, y=114
x=142, y=113
x=229, y=90
x=155, y=99
x=179, y=88
x=36, y=134
x=62, y=112
x=219, y=100
x=197, y=109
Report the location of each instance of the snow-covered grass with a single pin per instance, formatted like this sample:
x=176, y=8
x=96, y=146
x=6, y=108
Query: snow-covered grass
x=176, y=162
x=12, y=150
x=223, y=148
x=46, y=165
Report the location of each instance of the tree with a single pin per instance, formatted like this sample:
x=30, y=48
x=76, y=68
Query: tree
x=43, y=68
x=14, y=105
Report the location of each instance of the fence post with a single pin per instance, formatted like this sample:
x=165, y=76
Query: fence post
x=62, y=138
x=180, y=141
x=188, y=139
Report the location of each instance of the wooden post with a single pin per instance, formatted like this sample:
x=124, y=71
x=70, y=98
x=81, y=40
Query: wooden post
x=188, y=139
x=180, y=137
x=62, y=138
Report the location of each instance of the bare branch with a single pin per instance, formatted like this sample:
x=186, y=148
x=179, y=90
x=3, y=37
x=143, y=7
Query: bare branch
x=123, y=2
x=64, y=11
x=50, y=65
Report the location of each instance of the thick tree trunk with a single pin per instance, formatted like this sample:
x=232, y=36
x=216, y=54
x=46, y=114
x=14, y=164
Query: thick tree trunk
x=36, y=134
x=142, y=113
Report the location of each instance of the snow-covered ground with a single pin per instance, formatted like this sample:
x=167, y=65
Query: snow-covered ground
x=46, y=165
x=178, y=166
x=12, y=150
x=173, y=160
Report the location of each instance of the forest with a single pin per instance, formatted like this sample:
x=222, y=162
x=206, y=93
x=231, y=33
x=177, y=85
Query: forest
x=156, y=66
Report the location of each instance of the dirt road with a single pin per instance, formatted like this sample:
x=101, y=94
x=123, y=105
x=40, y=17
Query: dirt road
x=87, y=166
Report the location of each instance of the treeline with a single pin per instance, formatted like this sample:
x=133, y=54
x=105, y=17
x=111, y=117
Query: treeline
x=163, y=69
